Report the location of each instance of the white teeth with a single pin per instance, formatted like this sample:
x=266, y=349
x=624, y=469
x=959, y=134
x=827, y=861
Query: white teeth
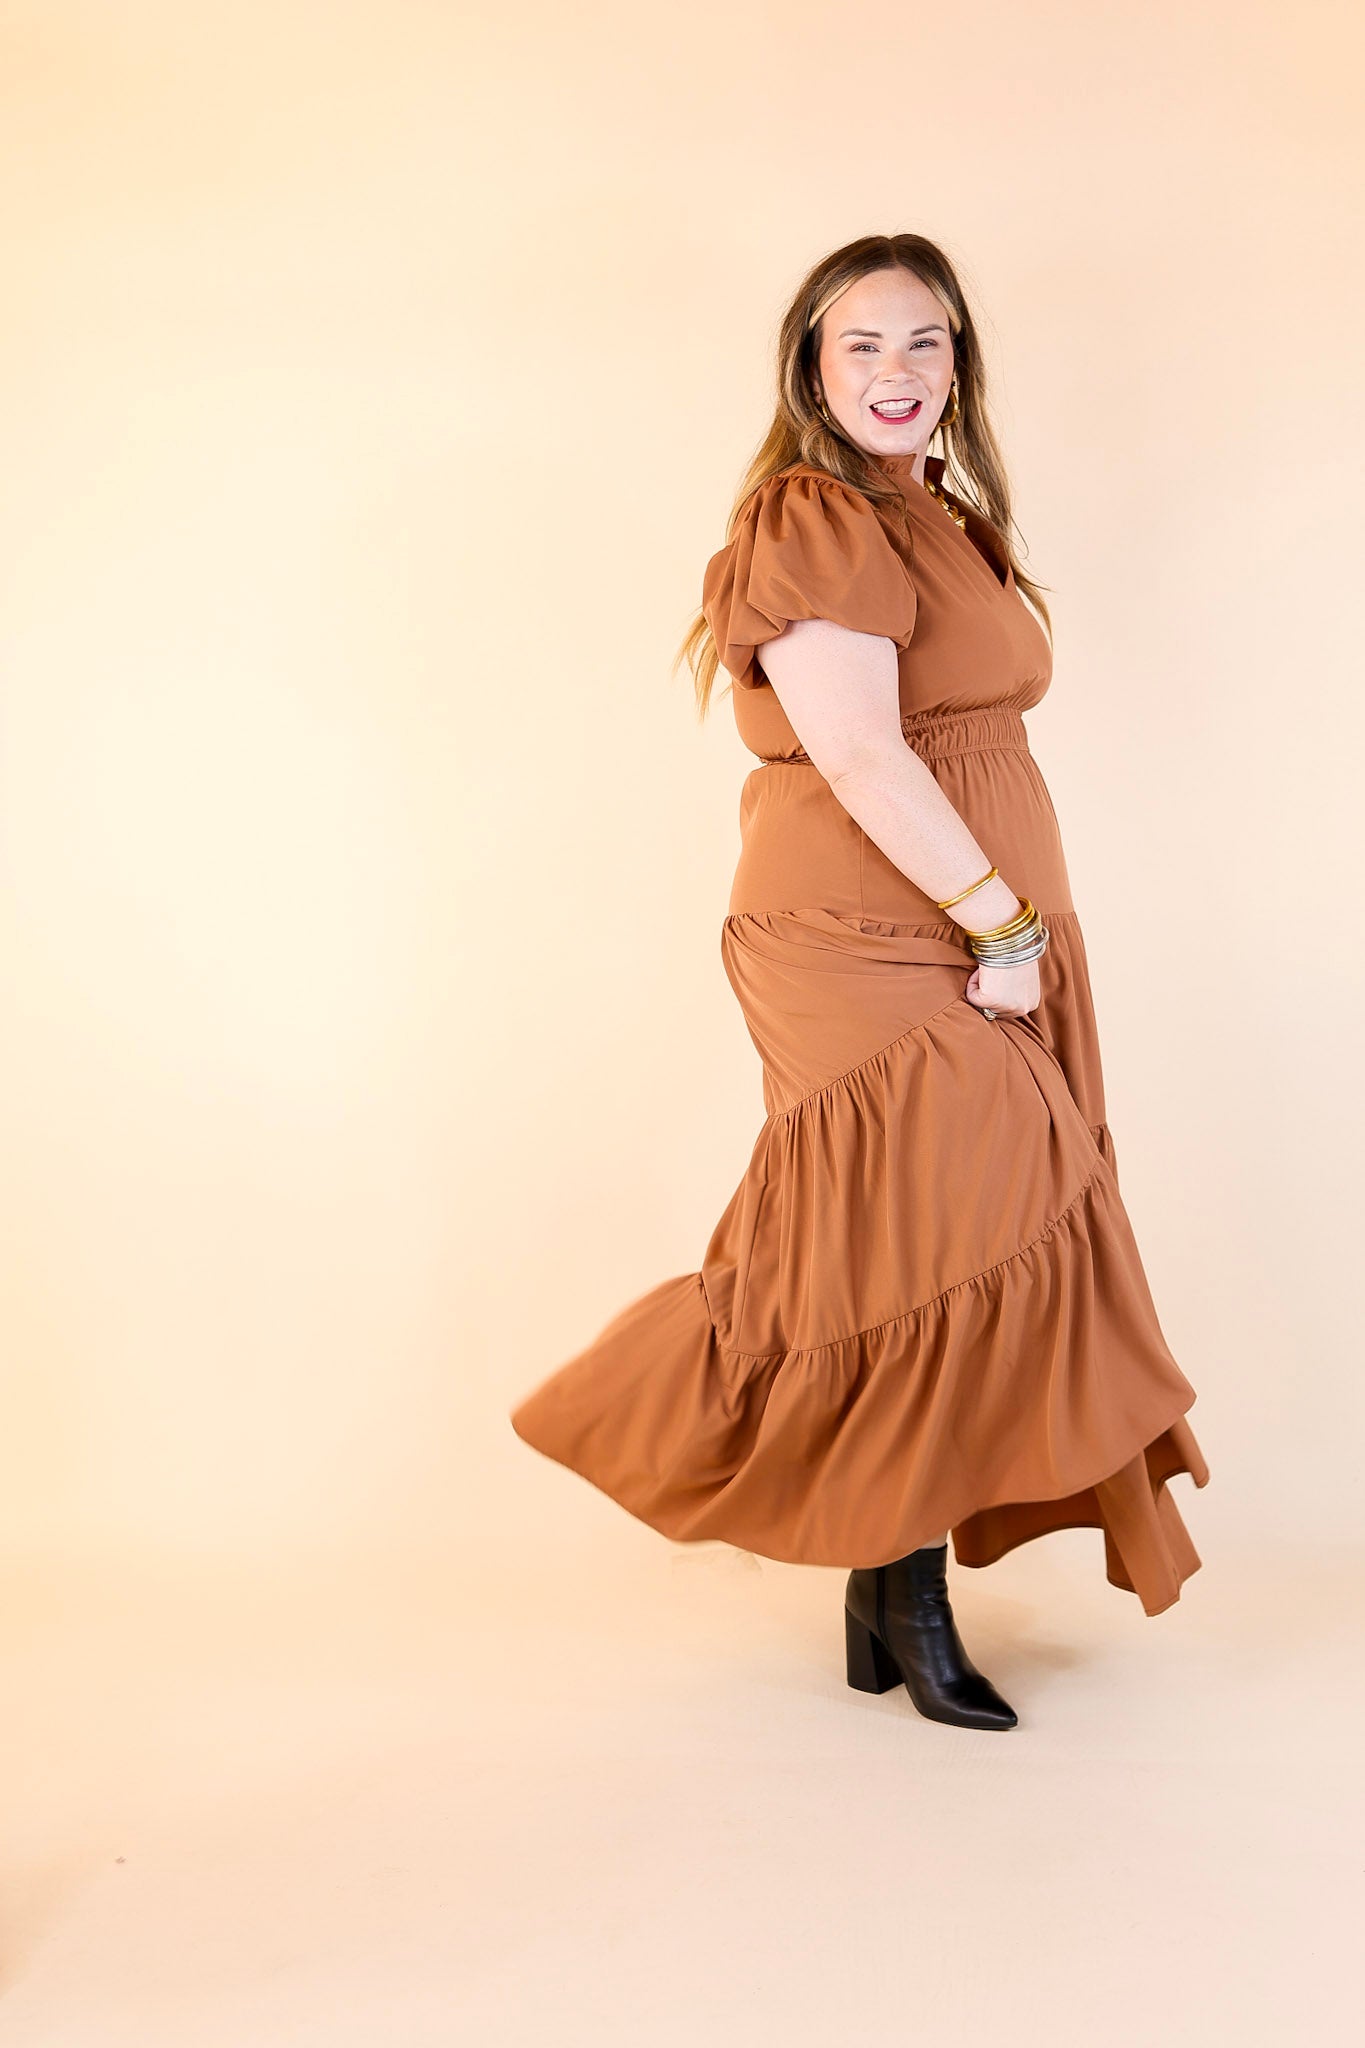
x=896, y=405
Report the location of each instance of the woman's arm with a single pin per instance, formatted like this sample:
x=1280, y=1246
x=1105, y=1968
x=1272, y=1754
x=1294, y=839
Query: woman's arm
x=839, y=691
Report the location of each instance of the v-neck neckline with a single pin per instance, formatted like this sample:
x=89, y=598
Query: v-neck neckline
x=900, y=469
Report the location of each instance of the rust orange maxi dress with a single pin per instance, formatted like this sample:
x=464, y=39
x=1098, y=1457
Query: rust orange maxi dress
x=923, y=1307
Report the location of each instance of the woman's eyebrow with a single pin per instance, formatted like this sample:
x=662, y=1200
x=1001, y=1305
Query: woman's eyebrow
x=875, y=333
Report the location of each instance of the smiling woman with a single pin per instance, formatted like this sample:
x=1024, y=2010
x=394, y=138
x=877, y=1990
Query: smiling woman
x=923, y=1310
x=891, y=410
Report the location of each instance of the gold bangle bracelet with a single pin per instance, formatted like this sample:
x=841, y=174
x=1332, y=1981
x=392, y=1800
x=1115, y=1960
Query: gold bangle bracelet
x=1014, y=929
x=1015, y=924
x=967, y=892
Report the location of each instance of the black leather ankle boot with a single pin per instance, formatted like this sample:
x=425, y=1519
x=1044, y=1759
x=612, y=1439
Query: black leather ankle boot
x=899, y=1628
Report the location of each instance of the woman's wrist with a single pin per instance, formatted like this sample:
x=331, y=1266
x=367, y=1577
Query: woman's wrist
x=994, y=903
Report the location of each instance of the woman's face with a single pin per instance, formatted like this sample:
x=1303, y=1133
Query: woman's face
x=886, y=339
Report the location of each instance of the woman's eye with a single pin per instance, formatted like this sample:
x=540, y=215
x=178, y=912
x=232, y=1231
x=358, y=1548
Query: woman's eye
x=926, y=341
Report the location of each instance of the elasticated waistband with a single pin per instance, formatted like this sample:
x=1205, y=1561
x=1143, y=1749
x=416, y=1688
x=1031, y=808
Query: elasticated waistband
x=935, y=734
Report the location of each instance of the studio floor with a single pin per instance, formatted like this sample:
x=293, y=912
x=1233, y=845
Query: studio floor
x=624, y=1796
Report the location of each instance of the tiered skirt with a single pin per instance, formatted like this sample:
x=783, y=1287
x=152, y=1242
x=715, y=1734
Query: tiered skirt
x=923, y=1306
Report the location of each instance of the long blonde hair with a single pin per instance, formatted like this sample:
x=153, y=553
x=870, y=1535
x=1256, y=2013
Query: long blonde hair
x=974, y=469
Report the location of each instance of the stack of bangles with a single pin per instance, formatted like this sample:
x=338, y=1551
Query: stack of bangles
x=1021, y=938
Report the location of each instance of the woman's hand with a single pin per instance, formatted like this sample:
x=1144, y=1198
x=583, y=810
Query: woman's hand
x=1011, y=990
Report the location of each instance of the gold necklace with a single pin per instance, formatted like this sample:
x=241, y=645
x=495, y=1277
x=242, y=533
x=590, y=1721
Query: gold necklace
x=959, y=518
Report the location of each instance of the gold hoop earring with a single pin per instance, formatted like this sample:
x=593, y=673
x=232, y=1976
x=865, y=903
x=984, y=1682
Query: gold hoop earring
x=946, y=419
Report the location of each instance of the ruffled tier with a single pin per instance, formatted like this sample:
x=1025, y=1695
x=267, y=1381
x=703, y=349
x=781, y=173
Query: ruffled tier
x=923, y=1307
x=1065, y=1017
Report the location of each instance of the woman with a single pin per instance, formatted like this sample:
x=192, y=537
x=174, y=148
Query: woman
x=923, y=1310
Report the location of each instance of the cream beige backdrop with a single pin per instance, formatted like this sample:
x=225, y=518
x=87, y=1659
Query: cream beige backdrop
x=377, y=379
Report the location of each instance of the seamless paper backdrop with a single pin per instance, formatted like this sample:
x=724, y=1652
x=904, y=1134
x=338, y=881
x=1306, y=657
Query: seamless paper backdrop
x=376, y=383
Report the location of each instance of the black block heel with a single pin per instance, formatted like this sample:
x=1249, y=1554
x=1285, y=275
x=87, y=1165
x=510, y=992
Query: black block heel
x=870, y=1665
x=899, y=1629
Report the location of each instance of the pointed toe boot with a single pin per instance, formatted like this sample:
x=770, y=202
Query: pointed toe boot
x=899, y=1629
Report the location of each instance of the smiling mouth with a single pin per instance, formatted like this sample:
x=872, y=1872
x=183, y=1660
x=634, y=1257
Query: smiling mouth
x=894, y=410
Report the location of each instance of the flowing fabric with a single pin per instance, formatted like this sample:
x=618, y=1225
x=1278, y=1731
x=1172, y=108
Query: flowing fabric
x=923, y=1306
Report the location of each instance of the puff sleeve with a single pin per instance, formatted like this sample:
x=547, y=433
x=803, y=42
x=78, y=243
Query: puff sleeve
x=805, y=546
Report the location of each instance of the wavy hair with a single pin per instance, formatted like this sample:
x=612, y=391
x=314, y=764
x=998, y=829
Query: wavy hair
x=974, y=468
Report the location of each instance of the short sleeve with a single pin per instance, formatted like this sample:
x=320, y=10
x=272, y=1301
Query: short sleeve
x=805, y=546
